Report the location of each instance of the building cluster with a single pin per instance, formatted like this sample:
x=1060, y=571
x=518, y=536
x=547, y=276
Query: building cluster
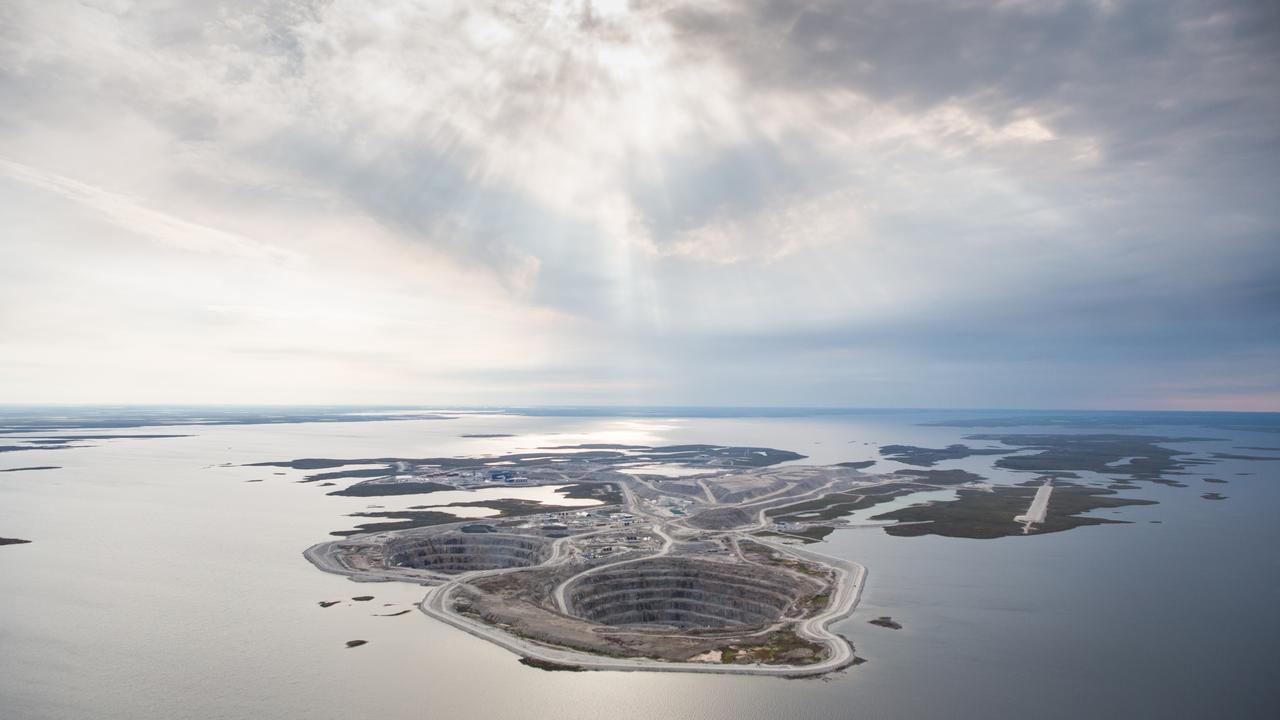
x=478, y=476
x=605, y=545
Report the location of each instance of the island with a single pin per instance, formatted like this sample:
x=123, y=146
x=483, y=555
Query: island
x=928, y=457
x=1035, y=507
x=692, y=558
x=665, y=573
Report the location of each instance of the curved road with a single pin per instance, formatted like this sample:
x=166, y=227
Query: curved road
x=849, y=580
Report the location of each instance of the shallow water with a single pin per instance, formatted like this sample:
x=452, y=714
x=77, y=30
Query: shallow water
x=162, y=585
x=438, y=500
x=865, y=515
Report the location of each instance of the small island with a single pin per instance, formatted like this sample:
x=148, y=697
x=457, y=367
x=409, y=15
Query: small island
x=927, y=457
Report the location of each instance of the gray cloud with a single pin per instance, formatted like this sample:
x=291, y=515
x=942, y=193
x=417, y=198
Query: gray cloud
x=1178, y=81
x=828, y=201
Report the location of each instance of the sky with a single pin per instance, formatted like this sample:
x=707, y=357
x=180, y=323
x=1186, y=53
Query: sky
x=888, y=203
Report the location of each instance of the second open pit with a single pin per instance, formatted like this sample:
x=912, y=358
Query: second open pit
x=458, y=552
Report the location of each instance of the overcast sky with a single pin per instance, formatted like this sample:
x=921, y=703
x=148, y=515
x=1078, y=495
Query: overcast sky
x=974, y=203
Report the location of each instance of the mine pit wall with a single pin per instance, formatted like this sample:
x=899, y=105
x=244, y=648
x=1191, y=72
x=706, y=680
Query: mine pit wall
x=453, y=553
x=688, y=593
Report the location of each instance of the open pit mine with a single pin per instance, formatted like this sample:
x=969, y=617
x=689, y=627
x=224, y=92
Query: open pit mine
x=704, y=572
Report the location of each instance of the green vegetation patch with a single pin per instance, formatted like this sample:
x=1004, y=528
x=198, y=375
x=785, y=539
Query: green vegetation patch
x=1141, y=457
x=941, y=477
x=1234, y=456
x=982, y=514
x=928, y=457
x=383, y=489
x=550, y=666
x=779, y=648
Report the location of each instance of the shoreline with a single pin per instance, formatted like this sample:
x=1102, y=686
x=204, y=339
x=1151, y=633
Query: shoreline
x=365, y=558
x=849, y=586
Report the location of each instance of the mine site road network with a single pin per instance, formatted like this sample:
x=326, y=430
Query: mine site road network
x=848, y=582
x=850, y=578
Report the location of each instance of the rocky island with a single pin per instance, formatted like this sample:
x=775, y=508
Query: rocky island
x=665, y=574
x=702, y=570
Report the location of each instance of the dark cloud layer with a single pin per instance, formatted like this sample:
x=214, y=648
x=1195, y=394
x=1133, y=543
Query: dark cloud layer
x=1181, y=99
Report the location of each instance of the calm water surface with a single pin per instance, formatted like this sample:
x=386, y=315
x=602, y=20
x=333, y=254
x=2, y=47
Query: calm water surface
x=162, y=585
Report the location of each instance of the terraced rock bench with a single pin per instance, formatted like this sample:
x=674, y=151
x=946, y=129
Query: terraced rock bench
x=457, y=552
x=687, y=593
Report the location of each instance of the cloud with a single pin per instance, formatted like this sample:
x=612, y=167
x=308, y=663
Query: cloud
x=128, y=213
x=647, y=191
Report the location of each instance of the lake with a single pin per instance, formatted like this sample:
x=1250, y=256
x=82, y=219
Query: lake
x=161, y=583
